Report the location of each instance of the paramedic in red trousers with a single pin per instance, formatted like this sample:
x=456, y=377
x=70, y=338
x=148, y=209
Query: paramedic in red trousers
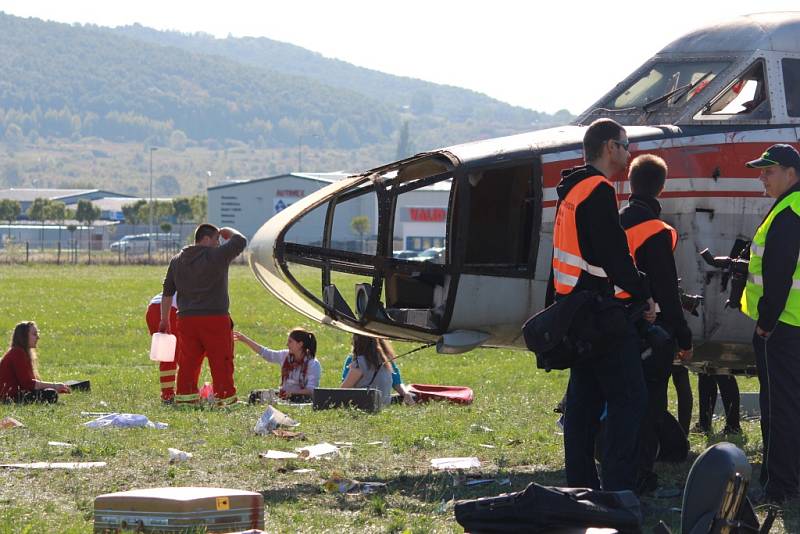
x=166, y=370
x=772, y=298
x=199, y=274
x=651, y=242
x=590, y=252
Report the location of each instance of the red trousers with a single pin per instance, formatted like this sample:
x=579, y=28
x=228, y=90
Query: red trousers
x=211, y=336
x=166, y=369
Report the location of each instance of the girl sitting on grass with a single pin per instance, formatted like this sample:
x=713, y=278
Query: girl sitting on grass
x=300, y=369
x=405, y=394
x=19, y=374
x=369, y=368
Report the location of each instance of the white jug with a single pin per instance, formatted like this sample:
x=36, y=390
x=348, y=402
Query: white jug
x=162, y=347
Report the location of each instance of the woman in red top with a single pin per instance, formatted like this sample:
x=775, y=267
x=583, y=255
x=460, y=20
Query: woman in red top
x=19, y=376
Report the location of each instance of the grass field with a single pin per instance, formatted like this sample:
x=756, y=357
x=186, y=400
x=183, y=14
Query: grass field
x=92, y=326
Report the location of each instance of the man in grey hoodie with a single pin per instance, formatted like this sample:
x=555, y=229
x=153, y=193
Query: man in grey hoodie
x=199, y=274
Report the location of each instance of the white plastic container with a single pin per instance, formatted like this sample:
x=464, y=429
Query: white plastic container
x=162, y=347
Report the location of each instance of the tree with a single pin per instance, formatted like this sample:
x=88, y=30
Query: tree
x=183, y=211
x=403, y=143
x=71, y=229
x=133, y=213
x=9, y=211
x=199, y=208
x=56, y=211
x=38, y=212
x=360, y=225
x=87, y=213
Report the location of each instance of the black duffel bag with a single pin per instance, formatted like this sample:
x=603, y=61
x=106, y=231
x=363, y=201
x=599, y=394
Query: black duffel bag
x=575, y=329
x=545, y=509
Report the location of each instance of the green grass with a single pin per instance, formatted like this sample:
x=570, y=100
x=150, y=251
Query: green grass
x=92, y=326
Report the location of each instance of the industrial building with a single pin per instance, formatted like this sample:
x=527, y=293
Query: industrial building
x=420, y=215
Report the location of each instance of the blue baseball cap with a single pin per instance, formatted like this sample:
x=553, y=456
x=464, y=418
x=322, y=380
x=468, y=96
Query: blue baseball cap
x=780, y=154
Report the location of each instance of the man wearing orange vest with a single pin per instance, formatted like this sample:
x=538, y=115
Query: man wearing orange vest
x=590, y=252
x=652, y=242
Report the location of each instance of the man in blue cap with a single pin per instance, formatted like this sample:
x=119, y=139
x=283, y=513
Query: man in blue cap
x=772, y=299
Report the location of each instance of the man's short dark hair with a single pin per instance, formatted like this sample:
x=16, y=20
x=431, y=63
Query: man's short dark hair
x=597, y=135
x=647, y=175
x=203, y=231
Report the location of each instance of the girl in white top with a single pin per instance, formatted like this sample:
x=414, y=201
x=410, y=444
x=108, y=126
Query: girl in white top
x=300, y=369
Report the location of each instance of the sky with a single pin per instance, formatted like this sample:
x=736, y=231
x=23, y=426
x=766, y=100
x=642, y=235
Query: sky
x=544, y=56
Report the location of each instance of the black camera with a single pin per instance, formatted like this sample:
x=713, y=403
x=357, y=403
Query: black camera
x=734, y=269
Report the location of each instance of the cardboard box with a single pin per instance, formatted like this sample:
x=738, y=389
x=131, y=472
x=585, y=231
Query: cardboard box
x=179, y=509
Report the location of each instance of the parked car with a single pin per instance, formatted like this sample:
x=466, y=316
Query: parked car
x=434, y=254
x=405, y=254
x=137, y=244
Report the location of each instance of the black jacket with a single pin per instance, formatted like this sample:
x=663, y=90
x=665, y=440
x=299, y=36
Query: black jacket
x=655, y=258
x=778, y=264
x=601, y=238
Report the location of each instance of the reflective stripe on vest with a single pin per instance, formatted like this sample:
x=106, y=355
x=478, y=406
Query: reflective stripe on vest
x=567, y=259
x=638, y=234
x=754, y=289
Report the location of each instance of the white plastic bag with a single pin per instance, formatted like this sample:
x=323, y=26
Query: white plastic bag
x=271, y=419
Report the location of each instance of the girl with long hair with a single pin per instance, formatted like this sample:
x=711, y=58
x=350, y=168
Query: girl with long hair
x=370, y=368
x=19, y=373
x=300, y=369
x=405, y=394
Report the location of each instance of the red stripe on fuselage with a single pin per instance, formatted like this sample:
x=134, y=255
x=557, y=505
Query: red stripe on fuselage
x=693, y=161
x=684, y=194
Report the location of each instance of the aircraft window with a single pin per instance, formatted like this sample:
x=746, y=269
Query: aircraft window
x=791, y=85
x=500, y=216
x=308, y=230
x=742, y=97
x=688, y=79
x=355, y=223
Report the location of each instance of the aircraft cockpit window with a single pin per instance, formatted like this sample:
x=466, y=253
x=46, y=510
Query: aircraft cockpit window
x=668, y=84
x=791, y=85
x=355, y=221
x=745, y=96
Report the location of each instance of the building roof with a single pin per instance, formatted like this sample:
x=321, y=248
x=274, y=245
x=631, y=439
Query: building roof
x=327, y=177
x=31, y=194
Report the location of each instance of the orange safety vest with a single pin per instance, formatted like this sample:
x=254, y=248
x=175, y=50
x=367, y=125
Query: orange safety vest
x=568, y=261
x=639, y=233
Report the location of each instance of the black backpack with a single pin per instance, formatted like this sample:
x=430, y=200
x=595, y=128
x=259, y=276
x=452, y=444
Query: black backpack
x=544, y=509
x=574, y=329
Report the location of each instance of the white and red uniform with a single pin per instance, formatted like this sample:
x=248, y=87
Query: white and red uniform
x=167, y=370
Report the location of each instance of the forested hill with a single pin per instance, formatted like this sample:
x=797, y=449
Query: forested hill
x=137, y=84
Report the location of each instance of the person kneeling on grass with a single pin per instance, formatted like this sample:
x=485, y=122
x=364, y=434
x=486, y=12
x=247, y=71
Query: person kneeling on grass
x=300, y=369
x=369, y=368
x=19, y=375
x=385, y=346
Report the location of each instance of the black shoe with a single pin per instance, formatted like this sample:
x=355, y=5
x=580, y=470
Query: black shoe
x=732, y=430
x=168, y=402
x=699, y=429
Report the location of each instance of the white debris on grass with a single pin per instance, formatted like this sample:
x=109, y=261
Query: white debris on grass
x=467, y=462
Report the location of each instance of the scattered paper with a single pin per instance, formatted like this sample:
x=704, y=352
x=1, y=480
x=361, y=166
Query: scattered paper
x=10, y=422
x=343, y=443
x=455, y=463
x=60, y=444
x=54, y=465
x=338, y=484
x=271, y=419
x=304, y=470
x=375, y=443
x=277, y=455
x=480, y=428
x=486, y=446
x=288, y=434
x=177, y=455
x=314, y=451
x=124, y=420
